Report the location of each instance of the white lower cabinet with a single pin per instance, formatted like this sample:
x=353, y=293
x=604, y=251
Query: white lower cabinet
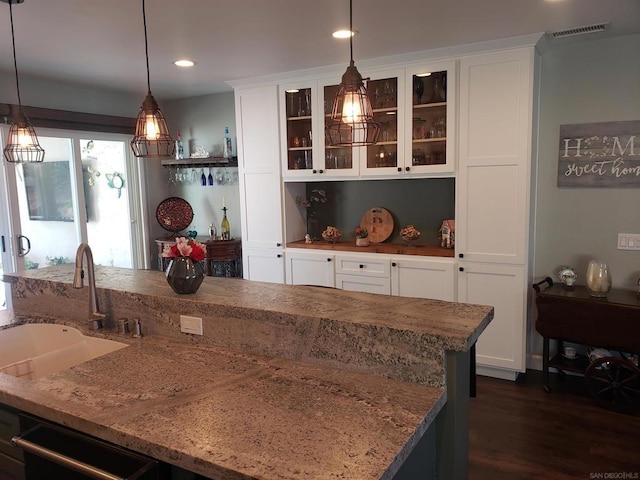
x=500, y=350
x=310, y=268
x=401, y=275
x=263, y=265
x=363, y=283
x=423, y=278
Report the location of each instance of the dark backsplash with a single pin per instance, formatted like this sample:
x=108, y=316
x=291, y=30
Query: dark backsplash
x=425, y=203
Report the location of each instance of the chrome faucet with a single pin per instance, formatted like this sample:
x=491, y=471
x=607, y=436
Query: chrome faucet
x=95, y=316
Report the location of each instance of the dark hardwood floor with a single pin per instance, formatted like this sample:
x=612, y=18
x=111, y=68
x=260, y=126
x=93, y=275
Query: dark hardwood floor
x=520, y=432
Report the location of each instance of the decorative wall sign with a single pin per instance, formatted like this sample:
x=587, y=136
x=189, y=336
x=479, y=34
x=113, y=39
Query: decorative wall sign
x=600, y=155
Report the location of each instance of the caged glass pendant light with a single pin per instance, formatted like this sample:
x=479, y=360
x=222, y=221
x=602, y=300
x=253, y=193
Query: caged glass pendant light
x=22, y=144
x=152, y=139
x=352, y=121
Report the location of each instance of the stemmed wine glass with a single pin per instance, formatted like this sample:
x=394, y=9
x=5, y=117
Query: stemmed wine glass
x=418, y=86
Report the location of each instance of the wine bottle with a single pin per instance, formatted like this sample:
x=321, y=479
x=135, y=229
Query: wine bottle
x=225, y=229
x=226, y=147
x=179, y=147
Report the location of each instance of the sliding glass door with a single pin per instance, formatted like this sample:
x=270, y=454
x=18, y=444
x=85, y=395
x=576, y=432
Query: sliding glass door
x=86, y=190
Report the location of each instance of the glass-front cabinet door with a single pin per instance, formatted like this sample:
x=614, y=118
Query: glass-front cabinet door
x=386, y=91
x=430, y=119
x=338, y=161
x=297, y=107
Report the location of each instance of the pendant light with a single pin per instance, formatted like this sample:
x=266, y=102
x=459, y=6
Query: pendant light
x=22, y=144
x=352, y=121
x=152, y=139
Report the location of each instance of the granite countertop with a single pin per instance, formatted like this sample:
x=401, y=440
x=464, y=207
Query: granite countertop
x=229, y=415
x=287, y=382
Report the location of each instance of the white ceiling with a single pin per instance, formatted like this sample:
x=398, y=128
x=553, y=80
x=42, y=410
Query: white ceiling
x=101, y=42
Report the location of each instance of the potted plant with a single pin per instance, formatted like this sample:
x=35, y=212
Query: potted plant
x=362, y=237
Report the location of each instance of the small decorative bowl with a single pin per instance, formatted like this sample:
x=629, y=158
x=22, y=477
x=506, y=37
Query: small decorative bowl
x=409, y=234
x=331, y=234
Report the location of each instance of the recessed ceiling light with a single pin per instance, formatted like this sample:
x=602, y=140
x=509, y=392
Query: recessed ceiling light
x=343, y=34
x=184, y=63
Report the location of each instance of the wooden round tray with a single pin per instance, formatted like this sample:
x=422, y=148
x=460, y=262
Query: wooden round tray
x=379, y=223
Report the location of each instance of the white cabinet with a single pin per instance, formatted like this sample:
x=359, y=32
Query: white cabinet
x=263, y=265
x=362, y=283
x=260, y=182
x=423, y=278
x=310, y=268
x=493, y=211
x=402, y=275
x=363, y=273
x=496, y=96
x=430, y=127
x=500, y=350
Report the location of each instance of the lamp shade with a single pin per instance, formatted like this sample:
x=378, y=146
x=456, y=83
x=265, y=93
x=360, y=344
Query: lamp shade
x=151, y=139
x=352, y=121
x=22, y=142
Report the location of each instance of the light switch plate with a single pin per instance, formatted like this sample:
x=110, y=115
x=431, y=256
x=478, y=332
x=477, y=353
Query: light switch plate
x=629, y=241
x=191, y=325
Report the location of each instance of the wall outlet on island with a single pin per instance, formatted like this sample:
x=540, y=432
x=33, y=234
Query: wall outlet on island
x=191, y=325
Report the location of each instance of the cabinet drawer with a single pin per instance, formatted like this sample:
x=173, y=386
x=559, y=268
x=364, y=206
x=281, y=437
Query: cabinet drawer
x=11, y=469
x=362, y=283
x=369, y=267
x=9, y=426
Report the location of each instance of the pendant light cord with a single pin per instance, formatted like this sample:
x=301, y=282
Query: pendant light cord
x=351, y=34
x=146, y=46
x=15, y=63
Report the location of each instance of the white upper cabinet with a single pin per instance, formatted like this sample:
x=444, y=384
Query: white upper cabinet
x=430, y=118
x=493, y=179
x=415, y=106
x=300, y=132
x=259, y=167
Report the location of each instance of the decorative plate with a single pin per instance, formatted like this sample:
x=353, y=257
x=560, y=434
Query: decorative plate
x=378, y=222
x=174, y=214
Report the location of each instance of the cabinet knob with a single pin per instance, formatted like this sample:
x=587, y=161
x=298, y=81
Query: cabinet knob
x=279, y=255
x=278, y=244
x=461, y=255
x=321, y=171
x=394, y=264
x=328, y=259
x=407, y=168
x=399, y=169
x=361, y=266
x=315, y=171
x=461, y=269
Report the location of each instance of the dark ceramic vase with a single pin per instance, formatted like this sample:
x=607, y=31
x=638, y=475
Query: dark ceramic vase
x=185, y=275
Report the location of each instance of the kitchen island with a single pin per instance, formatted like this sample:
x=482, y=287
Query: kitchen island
x=286, y=382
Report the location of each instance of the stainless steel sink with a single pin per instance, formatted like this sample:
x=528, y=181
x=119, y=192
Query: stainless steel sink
x=35, y=350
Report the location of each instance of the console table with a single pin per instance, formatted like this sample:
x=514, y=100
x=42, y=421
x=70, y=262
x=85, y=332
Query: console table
x=223, y=258
x=611, y=322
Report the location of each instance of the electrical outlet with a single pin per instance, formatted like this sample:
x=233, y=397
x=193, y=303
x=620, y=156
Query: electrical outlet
x=629, y=241
x=191, y=324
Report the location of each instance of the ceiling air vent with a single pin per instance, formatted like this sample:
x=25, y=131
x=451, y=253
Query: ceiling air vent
x=572, y=32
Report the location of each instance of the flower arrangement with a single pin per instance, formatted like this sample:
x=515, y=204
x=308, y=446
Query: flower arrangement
x=361, y=232
x=317, y=197
x=409, y=234
x=331, y=234
x=185, y=247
